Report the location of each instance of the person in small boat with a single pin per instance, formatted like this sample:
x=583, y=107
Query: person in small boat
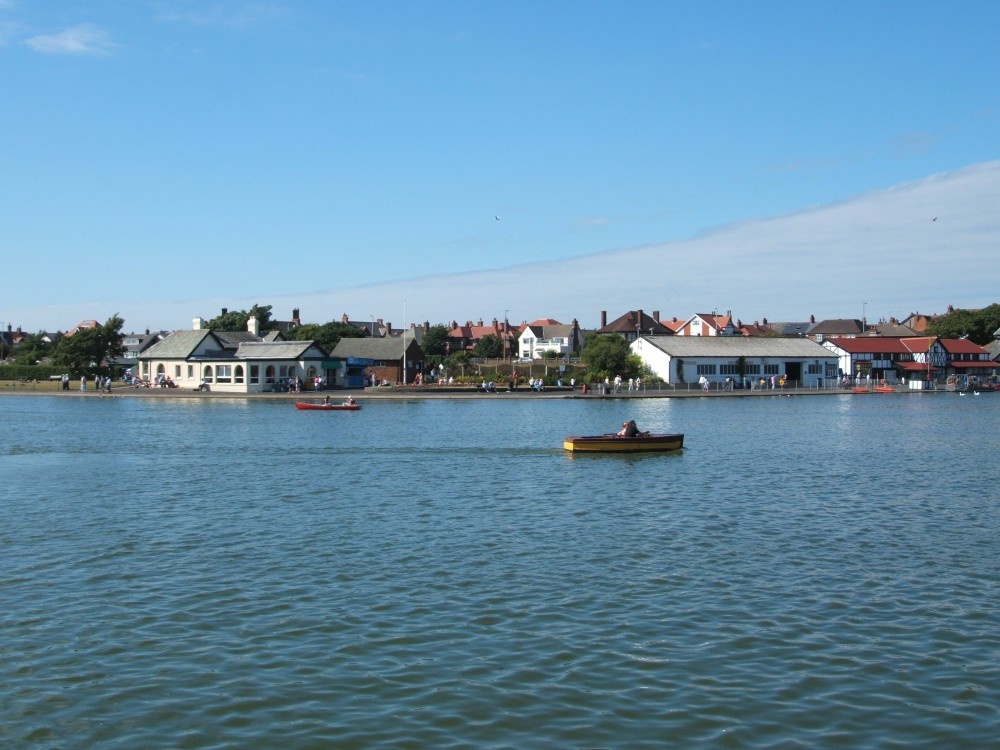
x=350, y=401
x=326, y=401
x=629, y=429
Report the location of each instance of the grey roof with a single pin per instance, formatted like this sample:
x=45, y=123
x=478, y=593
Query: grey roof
x=837, y=327
x=376, y=348
x=233, y=339
x=790, y=329
x=738, y=346
x=279, y=350
x=178, y=345
x=551, y=330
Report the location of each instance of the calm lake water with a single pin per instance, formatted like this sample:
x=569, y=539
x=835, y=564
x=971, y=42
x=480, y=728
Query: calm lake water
x=809, y=571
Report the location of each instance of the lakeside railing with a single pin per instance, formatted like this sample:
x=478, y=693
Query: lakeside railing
x=718, y=388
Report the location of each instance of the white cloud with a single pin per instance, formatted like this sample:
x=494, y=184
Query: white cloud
x=83, y=39
x=883, y=250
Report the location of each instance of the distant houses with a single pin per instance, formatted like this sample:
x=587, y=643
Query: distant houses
x=703, y=347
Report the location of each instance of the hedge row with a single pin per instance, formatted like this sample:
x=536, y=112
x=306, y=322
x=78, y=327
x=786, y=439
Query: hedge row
x=33, y=372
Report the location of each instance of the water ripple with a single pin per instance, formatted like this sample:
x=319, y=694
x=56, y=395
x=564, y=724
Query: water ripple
x=488, y=590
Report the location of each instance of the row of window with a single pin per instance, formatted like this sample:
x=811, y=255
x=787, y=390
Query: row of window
x=751, y=369
x=235, y=374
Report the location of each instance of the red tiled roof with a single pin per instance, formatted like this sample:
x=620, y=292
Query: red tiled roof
x=961, y=346
x=969, y=364
x=545, y=322
x=873, y=345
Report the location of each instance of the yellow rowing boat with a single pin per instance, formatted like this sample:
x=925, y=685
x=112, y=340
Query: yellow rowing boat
x=616, y=444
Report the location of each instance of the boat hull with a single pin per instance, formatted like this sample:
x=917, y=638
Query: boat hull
x=615, y=444
x=326, y=407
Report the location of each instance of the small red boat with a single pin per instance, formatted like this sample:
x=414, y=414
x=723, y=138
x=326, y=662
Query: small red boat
x=346, y=406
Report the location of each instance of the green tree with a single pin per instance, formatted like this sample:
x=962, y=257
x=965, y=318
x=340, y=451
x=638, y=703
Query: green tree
x=435, y=341
x=90, y=348
x=977, y=325
x=609, y=355
x=236, y=320
x=458, y=360
x=326, y=335
x=32, y=349
x=489, y=347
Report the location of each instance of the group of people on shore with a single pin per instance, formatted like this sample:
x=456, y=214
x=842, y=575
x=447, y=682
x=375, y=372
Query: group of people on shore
x=101, y=384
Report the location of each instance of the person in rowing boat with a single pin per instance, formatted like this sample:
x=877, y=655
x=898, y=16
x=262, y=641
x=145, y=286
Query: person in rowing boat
x=326, y=401
x=629, y=429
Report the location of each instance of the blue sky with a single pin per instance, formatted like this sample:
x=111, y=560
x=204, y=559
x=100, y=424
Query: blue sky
x=164, y=159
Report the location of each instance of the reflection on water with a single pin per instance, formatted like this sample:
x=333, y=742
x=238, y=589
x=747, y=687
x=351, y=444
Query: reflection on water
x=230, y=573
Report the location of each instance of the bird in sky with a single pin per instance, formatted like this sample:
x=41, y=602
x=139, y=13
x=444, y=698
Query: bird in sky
x=497, y=218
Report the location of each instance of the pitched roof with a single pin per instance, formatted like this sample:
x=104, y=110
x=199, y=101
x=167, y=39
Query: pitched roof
x=836, y=327
x=377, y=348
x=279, y=350
x=755, y=329
x=880, y=344
x=178, y=345
x=233, y=339
x=469, y=331
x=717, y=322
x=82, y=325
x=635, y=320
x=962, y=346
x=889, y=329
x=550, y=330
x=737, y=346
x=909, y=345
x=790, y=329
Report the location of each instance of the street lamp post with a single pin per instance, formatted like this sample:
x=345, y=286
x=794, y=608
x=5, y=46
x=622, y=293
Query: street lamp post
x=506, y=335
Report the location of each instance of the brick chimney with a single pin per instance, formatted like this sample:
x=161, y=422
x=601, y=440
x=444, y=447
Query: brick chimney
x=604, y=318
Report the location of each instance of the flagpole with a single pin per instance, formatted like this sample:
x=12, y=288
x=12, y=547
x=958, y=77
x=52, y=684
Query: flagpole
x=404, y=342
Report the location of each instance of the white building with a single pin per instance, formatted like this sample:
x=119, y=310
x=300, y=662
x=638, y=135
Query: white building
x=233, y=362
x=688, y=359
x=549, y=336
